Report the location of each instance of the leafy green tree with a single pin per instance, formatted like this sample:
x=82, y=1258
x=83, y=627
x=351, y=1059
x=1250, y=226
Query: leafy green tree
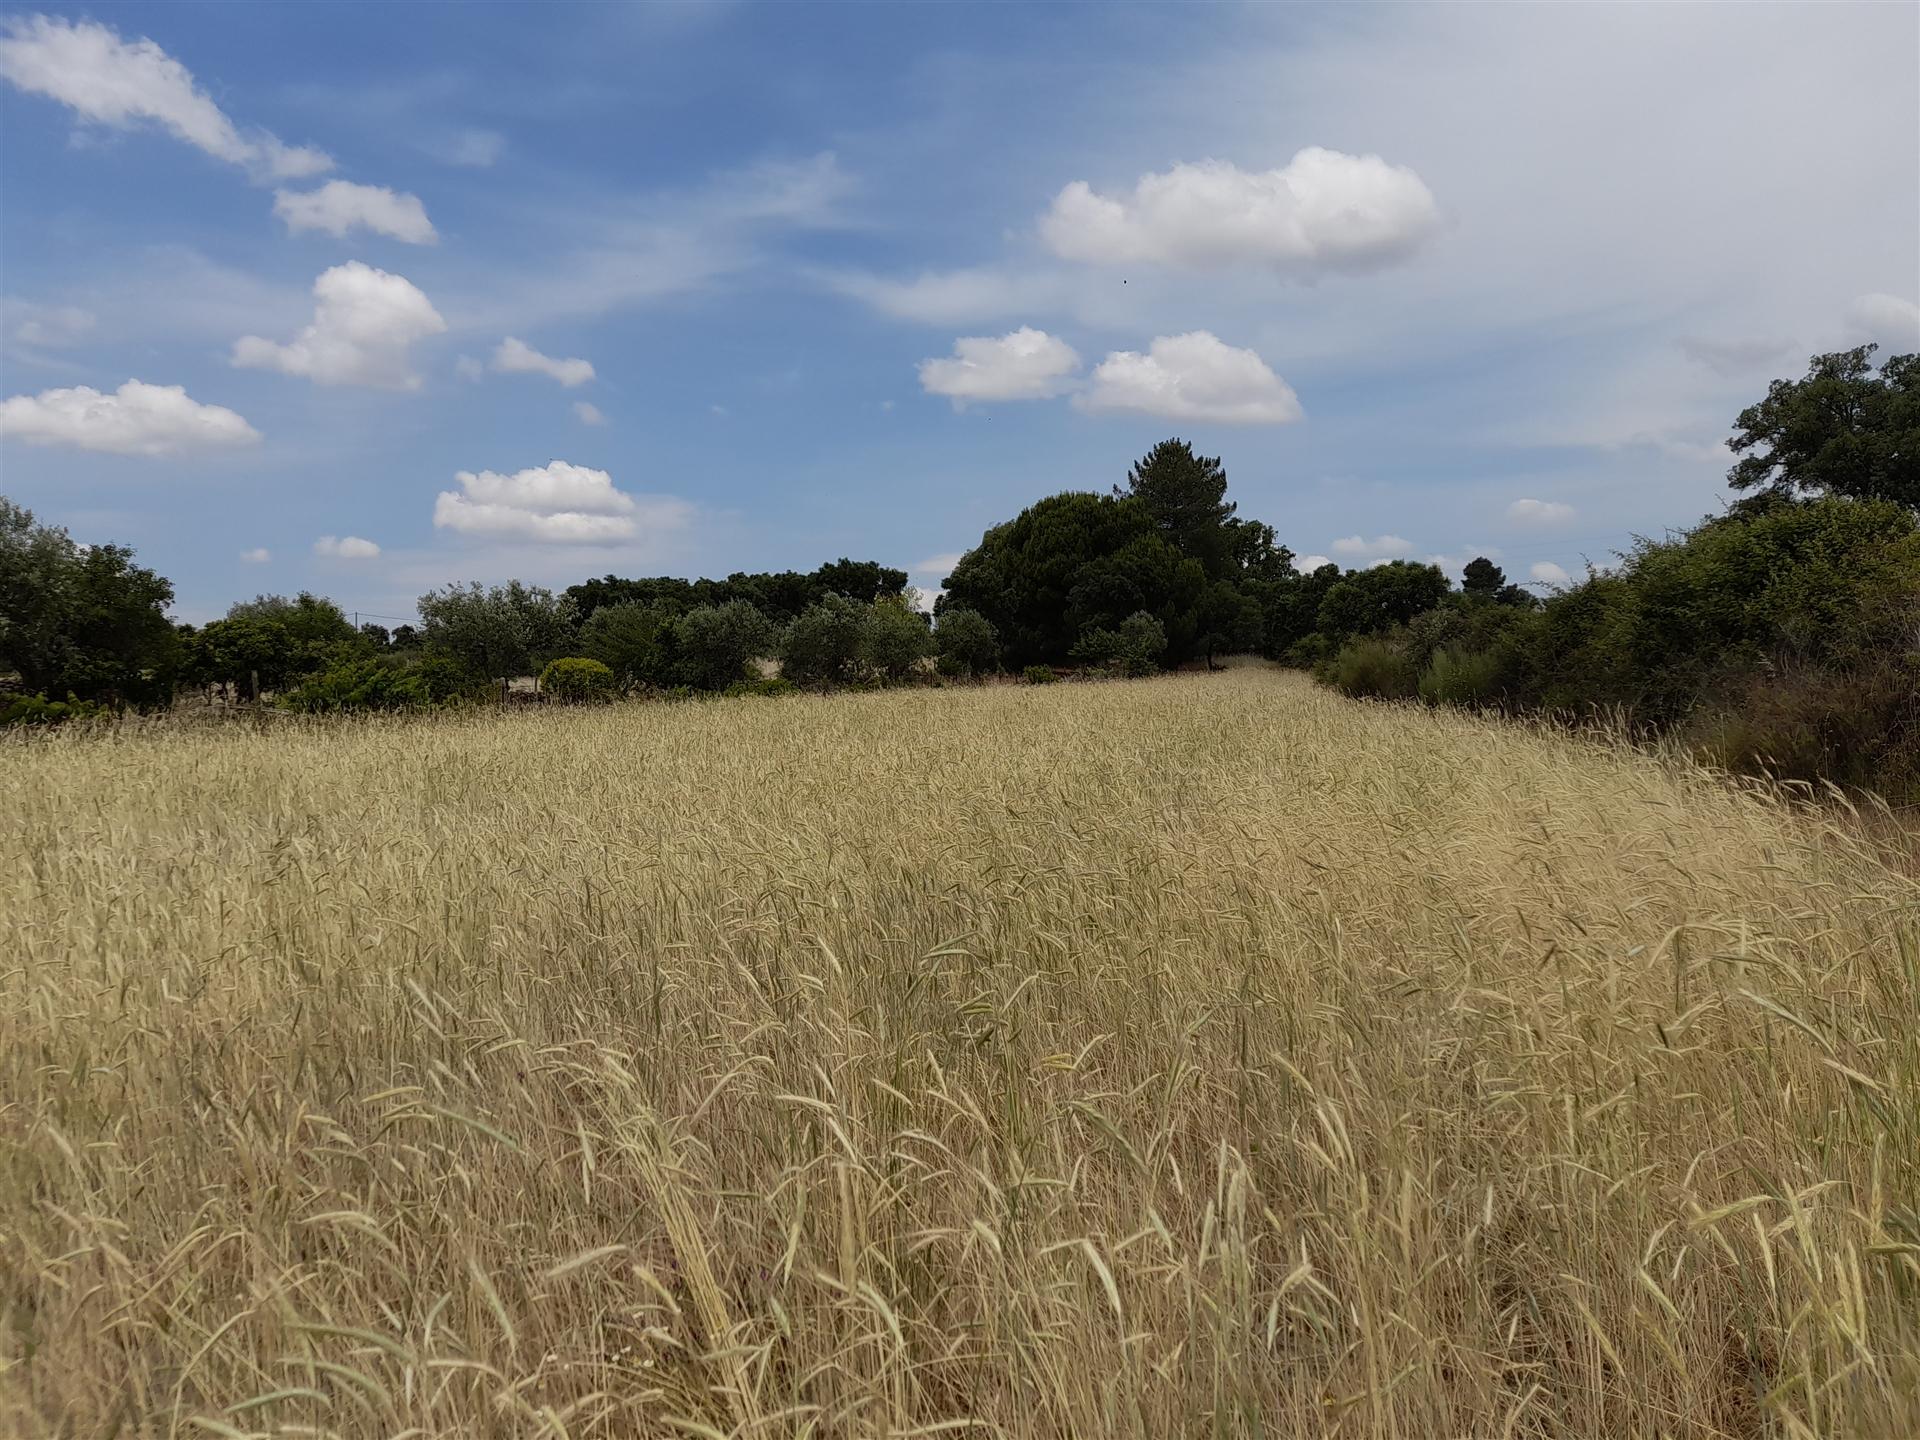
x=238, y=651
x=827, y=644
x=634, y=641
x=1482, y=579
x=713, y=643
x=966, y=643
x=1230, y=621
x=82, y=620
x=1367, y=602
x=862, y=580
x=1186, y=496
x=1842, y=430
x=1255, y=552
x=499, y=631
x=896, y=638
x=577, y=680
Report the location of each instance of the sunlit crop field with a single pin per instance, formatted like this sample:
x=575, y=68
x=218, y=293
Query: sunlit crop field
x=1206, y=1056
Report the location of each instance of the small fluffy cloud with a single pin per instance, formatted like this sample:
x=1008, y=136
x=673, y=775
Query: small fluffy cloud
x=259, y=555
x=1323, y=210
x=587, y=413
x=1192, y=377
x=557, y=503
x=364, y=321
x=345, y=547
x=1380, y=547
x=118, y=83
x=1027, y=364
x=136, y=419
x=1539, y=512
x=1307, y=564
x=940, y=565
x=1888, y=319
x=1548, y=573
x=339, y=206
x=516, y=357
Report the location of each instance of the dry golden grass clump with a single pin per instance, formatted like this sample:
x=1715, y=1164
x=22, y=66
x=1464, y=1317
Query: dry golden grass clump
x=1208, y=1056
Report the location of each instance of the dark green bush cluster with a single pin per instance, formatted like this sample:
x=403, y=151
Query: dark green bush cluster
x=1132, y=648
x=39, y=710
x=1039, y=675
x=373, y=683
x=1781, y=638
x=770, y=687
x=576, y=680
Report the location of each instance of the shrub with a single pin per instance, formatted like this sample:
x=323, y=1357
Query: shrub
x=1039, y=675
x=1462, y=677
x=38, y=710
x=965, y=643
x=577, y=680
x=372, y=684
x=1856, y=727
x=824, y=646
x=1372, y=667
x=713, y=643
x=634, y=641
x=895, y=639
x=1134, y=648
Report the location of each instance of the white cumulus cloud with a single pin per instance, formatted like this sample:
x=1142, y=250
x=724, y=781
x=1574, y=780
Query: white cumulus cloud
x=1539, y=512
x=1380, y=547
x=259, y=555
x=1026, y=364
x=339, y=206
x=1307, y=564
x=1888, y=319
x=345, y=547
x=556, y=502
x=588, y=413
x=1323, y=210
x=136, y=419
x=1195, y=376
x=364, y=321
x=1548, y=573
x=516, y=357
x=118, y=83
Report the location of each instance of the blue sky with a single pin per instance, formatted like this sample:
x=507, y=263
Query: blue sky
x=1434, y=281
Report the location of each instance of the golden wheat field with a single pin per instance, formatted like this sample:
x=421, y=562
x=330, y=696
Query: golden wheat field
x=1205, y=1056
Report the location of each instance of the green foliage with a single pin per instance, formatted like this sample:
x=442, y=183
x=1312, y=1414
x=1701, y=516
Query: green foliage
x=82, y=620
x=1229, y=619
x=1372, y=668
x=1842, y=430
x=966, y=643
x=1133, y=648
x=632, y=640
x=826, y=645
x=1185, y=497
x=496, y=632
x=896, y=639
x=713, y=644
x=577, y=680
x=1370, y=602
x=780, y=597
x=371, y=683
x=38, y=710
x=1462, y=677
x=1039, y=675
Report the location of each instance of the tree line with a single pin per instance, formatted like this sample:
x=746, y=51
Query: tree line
x=1781, y=634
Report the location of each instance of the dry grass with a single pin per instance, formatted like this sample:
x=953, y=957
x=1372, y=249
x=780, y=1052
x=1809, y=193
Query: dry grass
x=1204, y=1056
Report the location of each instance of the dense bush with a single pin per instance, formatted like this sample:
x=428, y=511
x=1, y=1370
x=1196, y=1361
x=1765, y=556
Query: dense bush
x=576, y=680
x=895, y=640
x=965, y=643
x=374, y=683
x=38, y=710
x=714, y=644
x=632, y=640
x=1134, y=647
x=1461, y=677
x=1372, y=668
x=1039, y=675
x=770, y=687
x=826, y=644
